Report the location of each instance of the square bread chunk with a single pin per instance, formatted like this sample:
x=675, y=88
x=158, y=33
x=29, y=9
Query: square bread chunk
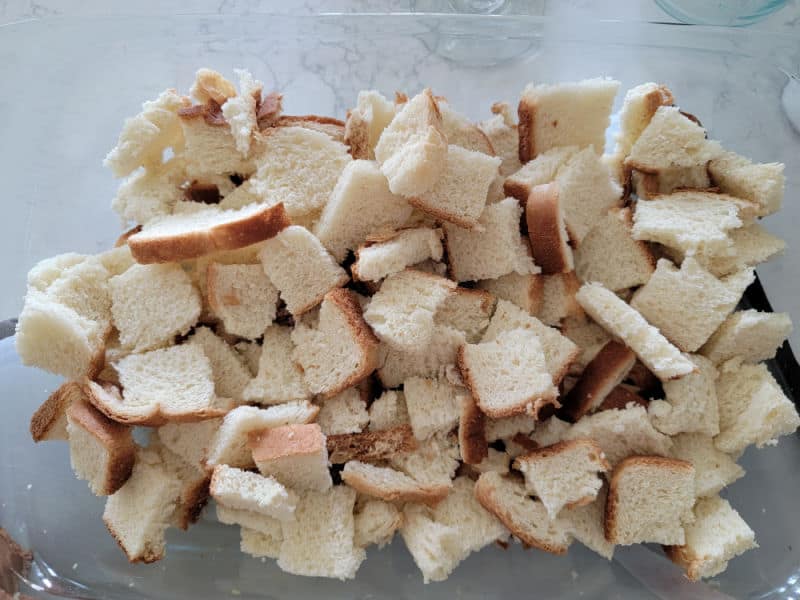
x=243, y=490
x=753, y=335
x=525, y=291
x=375, y=523
x=278, y=379
x=713, y=468
x=346, y=412
x=366, y=122
x=296, y=455
x=243, y=297
x=757, y=182
x=433, y=405
x=538, y=171
x=384, y=257
x=391, y=485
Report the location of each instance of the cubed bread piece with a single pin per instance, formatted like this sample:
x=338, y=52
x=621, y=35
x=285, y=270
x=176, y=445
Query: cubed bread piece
x=507, y=499
x=391, y=485
x=406, y=247
x=564, y=114
x=471, y=431
x=526, y=291
x=279, y=379
x=428, y=361
x=250, y=353
x=558, y=298
x=432, y=404
x=508, y=375
x=752, y=335
x=650, y=499
x=190, y=235
x=462, y=132
x=717, y=535
x=299, y=266
x=563, y=474
x=148, y=194
x=251, y=521
x=228, y=370
x=144, y=137
x=84, y=288
x=194, y=485
x=244, y=490
x=402, y=312
x=752, y=407
x=259, y=544
x=190, y=441
x=603, y=373
x=242, y=297
x=668, y=180
x=459, y=193
x=375, y=523
x=757, y=182
x=319, y=542
x=431, y=544
x=151, y=304
x=370, y=445
x=588, y=336
x=585, y=524
x=664, y=298
x=501, y=130
x=340, y=351
x=621, y=396
x=101, y=451
x=366, y=122
x=713, y=468
x=296, y=455
x=751, y=245
x=240, y=110
x=211, y=85
x=387, y=411
x=495, y=460
x=433, y=462
x=538, y=171
x=494, y=250
x=624, y=322
x=633, y=262
x=412, y=150
x=360, y=204
x=49, y=422
x=346, y=412
x=229, y=444
x=467, y=310
x=638, y=107
x=547, y=231
x=508, y=427
x=691, y=402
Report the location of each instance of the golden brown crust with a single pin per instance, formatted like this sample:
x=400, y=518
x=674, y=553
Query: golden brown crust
x=603, y=373
x=123, y=238
x=149, y=555
x=370, y=446
x=257, y=227
x=686, y=558
x=620, y=397
x=430, y=495
x=50, y=419
x=472, y=432
x=641, y=376
x=526, y=114
x=516, y=189
x=194, y=497
x=333, y=128
x=268, y=109
x=592, y=447
x=545, y=229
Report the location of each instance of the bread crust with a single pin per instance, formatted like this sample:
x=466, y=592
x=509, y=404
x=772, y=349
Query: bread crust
x=257, y=227
x=516, y=189
x=547, y=231
x=683, y=556
x=526, y=113
x=122, y=240
x=620, y=397
x=356, y=135
x=194, y=497
x=429, y=495
x=49, y=420
x=370, y=446
x=286, y=441
x=334, y=128
x=472, y=432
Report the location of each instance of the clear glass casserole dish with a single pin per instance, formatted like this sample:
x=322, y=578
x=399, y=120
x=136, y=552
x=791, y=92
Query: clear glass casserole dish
x=70, y=82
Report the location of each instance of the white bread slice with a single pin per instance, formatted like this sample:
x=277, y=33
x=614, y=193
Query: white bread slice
x=664, y=298
x=240, y=110
x=559, y=352
x=459, y=193
x=564, y=114
x=501, y=131
x=319, y=542
x=494, y=250
x=431, y=544
x=296, y=455
x=633, y=261
x=638, y=107
x=558, y=298
x=242, y=297
x=402, y=312
x=713, y=468
x=717, y=535
x=471, y=431
x=428, y=361
x=360, y=204
x=526, y=291
x=753, y=335
x=412, y=150
x=588, y=336
x=244, y=490
x=751, y=245
x=229, y=444
x=387, y=411
x=508, y=375
x=691, y=402
x=346, y=412
x=370, y=446
x=585, y=524
x=299, y=266
x=287, y=173
x=49, y=422
x=507, y=499
x=467, y=310
x=432, y=404
x=462, y=132
x=671, y=140
x=144, y=137
x=259, y=544
x=279, y=379
x=375, y=523
x=228, y=370
x=340, y=351
x=151, y=304
x=390, y=485
x=432, y=463
x=140, y=512
x=190, y=441
x=564, y=474
x=752, y=407
x=547, y=231
x=190, y=235
x=538, y=171
x=366, y=122
x=624, y=322
x=757, y=182
x=406, y=247
x=101, y=451
x=508, y=427
x=650, y=499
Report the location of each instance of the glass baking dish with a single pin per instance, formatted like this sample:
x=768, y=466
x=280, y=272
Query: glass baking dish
x=70, y=82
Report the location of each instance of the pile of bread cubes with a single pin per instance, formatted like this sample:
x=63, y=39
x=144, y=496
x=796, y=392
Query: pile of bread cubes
x=411, y=322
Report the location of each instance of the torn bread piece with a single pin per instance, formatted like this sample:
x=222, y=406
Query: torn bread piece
x=299, y=266
x=211, y=85
x=389, y=484
x=346, y=412
x=558, y=298
x=622, y=321
x=752, y=335
x=387, y=411
x=148, y=194
x=340, y=351
x=462, y=132
x=585, y=524
x=330, y=126
x=668, y=180
x=501, y=131
x=717, y=535
x=431, y=544
x=509, y=427
x=296, y=455
x=378, y=259
x=432, y=404
x=428, y=361
x=101, y=451
x=240, y=111
x=432, y=462
x=242, y=297
x=691, y=402
x=278, y=379
x=244, y=490
x=259, y=544
x=366, y=122
x=650, y=499
x=193, y=494
x=370, y=446
x=757, y=182
x=190, y=235
x=525, y=291
x=621, y=396
x=547, y=231
x=251, y=520
x=751, y=245
x=467, y=310
x=564, y=114
x=588, y=336
x=49, y=422
x=375, y=523
x=713, y=468
x=190, y=441
x=228, y=370
x=538, y=171
x=412, y=150
x=472, y=431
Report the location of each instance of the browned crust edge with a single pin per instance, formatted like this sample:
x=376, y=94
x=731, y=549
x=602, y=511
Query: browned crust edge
x=472, y=432
x=45, y=420
x=526, y=114
x=620, y=397
x=427, y=494
x=370, y=446
x=545, y=219
x=564, y=446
